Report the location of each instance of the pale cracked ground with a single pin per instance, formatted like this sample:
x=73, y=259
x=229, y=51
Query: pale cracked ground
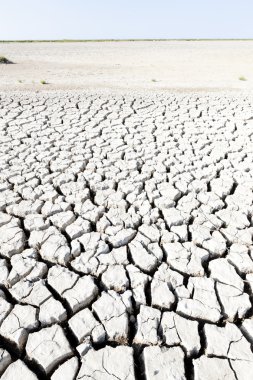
x=126, y=236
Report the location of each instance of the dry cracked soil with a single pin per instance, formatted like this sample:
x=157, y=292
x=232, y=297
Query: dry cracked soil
x=126, y=236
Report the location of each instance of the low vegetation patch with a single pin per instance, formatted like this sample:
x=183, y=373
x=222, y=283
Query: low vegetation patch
x=4, y=60
x=242, y=78
x=43, y=82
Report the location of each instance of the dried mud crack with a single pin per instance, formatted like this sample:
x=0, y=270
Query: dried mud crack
x=126, y=231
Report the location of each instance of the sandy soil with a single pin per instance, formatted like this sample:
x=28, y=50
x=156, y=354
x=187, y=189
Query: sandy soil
x=183, y=65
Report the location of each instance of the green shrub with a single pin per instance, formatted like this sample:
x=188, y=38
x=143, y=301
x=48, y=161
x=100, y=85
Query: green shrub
x=4, y=60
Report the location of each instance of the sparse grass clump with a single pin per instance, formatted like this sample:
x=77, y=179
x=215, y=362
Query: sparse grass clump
x=153, y=80
x=4, y=60
x=242, y=78
x=43, y=81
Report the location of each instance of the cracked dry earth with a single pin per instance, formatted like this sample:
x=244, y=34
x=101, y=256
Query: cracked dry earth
x=126, y=236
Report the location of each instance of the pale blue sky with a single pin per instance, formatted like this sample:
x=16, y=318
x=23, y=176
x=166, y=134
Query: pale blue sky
x=119, y=19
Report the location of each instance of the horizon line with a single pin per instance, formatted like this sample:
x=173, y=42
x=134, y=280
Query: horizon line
x=127, y=40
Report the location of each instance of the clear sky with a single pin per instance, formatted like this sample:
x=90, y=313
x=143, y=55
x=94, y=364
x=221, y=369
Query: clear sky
x=123, y=19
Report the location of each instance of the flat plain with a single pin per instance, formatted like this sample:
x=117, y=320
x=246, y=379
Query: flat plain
x=126, y=228
x=128, y=65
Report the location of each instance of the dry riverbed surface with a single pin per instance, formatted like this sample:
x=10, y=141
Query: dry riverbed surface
x=156, y=65
x=126, y=236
